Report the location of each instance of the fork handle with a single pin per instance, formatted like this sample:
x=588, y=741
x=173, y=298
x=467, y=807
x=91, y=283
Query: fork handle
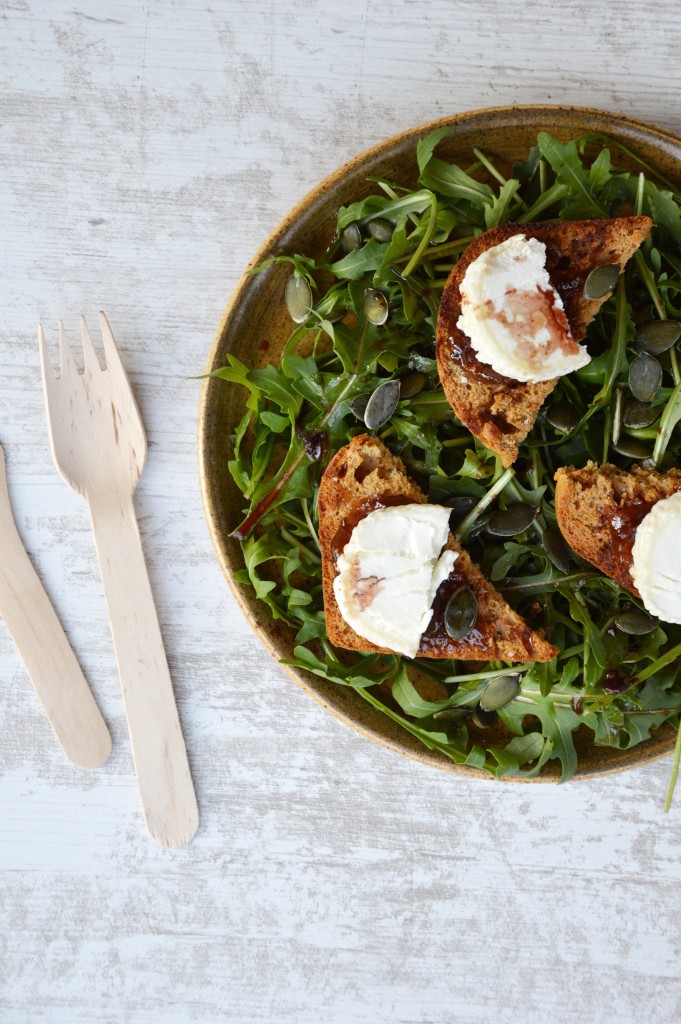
x=158, y=749
x=49, y=659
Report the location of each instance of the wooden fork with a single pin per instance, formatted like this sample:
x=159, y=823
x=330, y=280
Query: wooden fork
x=99, y=447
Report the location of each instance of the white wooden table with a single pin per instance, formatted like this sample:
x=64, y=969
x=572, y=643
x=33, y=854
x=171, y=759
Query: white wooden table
x=145, y=152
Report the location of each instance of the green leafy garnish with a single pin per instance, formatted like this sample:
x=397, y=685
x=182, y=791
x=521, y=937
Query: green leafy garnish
x=613, y=686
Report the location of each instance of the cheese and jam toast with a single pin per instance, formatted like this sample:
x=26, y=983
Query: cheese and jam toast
x=363, y=477
x=600, y=509
x=497, y=408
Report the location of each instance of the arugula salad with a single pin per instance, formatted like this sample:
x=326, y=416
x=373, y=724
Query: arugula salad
x=366, y=314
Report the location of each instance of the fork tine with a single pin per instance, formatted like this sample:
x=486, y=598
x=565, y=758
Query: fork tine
x=46, y=368
x=90, y=358
x=68, y=365
x=115, y=365
x=45, y=364
x=110, y=350
x=50, y=389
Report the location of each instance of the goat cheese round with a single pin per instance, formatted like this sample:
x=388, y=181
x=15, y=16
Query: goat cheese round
x=656, y=555
x=513, y=315
x=389, y=573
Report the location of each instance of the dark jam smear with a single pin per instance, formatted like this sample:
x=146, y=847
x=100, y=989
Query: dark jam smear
x=481, y=637
x=622, y=524
x=436, y=637
x=464, y=354
x=568, y=284
x=360, y=511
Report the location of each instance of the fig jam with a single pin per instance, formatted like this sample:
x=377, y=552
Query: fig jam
x=622, y=524
x=360, y=511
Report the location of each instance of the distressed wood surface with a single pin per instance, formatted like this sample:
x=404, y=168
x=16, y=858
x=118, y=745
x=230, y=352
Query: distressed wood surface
x=145, y=152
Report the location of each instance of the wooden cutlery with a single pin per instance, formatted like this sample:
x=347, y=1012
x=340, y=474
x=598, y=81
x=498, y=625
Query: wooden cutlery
x=99, y=447
x=44, y=649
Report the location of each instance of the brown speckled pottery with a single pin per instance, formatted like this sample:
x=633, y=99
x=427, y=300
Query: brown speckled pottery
x=255, y=325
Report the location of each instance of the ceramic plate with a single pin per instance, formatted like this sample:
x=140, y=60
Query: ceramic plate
x=255, y=326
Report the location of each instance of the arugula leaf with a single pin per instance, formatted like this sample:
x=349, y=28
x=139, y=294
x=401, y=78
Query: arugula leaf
x=427, y=146
x=411, y=702
x=558, y=722
x=497, y=213
x=521, y=750
x=600, y=171
x=664, y=210
x=359, y=262
x=274, y=385
x=257, y=553
x=395, y=210
x=347, y=675
x=450, y=180
x=565, y=161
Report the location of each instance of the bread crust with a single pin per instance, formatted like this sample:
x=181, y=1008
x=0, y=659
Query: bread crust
x=364, y=475
x=496, y=409
x=599, y=509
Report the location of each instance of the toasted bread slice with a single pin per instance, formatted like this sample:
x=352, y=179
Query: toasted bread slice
x=599, y=509
x=498, y=410
x=364, y=476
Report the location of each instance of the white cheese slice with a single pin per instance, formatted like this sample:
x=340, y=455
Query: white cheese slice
x=513, y=315
x=656, y=554
x=389, y=573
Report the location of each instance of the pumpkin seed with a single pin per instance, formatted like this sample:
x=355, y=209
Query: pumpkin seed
x=635, y=622
x=412, y=383
x=298, y=296
x=631, y=448
x=375, y=306
x=461, y=613
x=452, y=714
x=645, y=377
x=601, y=280
x=460, y=506
x=382, y=404
x=479, y=526
x=499, y=692
x=639, y=414
x=657, y=336
x=381, y=229
x=351, y=238
x=562, y=416
x=617, y=416
x=358, y=406
x=557, y=551
x=507, y=522
x=483, y=719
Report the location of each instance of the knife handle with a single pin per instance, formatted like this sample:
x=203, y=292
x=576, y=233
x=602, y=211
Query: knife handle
x=44, y=649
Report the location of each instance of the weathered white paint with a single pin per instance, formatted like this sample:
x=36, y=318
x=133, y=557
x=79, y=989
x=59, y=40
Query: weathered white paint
x=145, y=152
